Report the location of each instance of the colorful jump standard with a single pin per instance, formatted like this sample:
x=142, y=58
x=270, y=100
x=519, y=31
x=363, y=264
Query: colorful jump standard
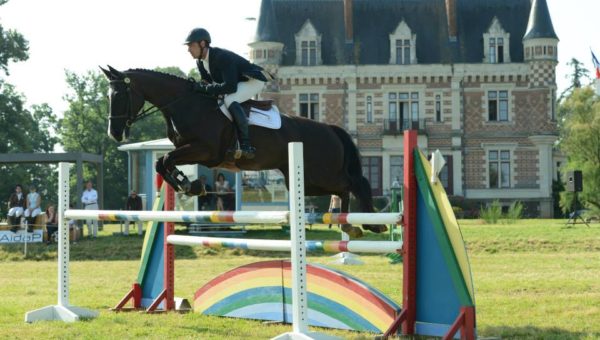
x=438, y=295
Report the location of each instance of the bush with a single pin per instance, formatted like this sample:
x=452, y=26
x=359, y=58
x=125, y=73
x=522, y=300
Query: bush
x=515, y=212
x=492, y=213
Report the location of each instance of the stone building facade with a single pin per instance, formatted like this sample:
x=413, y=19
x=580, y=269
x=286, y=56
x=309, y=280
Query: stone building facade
x=476, y=79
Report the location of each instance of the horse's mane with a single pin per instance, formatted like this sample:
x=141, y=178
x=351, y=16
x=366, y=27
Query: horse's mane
x=160, y=73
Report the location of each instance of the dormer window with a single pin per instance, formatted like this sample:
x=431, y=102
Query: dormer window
x=308, y=45
x=496, y=44
x=496, y=50
x=403, y=45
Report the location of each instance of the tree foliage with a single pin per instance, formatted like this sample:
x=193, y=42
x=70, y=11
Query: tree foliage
x=13, y=46
x=23, y=130
x=576, y=77
x=580, y=142
x=84, y=128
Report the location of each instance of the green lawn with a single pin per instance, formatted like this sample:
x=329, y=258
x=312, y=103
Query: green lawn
x=533, y=279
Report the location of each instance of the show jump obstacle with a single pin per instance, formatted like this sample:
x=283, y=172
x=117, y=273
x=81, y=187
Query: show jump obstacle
x=438, y=296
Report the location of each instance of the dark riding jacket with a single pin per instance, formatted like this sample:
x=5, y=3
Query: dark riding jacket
x=227, y=69
x=14, y=201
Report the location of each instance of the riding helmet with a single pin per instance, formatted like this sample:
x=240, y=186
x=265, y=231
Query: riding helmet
x=197, y=34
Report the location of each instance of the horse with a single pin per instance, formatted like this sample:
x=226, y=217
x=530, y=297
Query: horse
x=203, y=135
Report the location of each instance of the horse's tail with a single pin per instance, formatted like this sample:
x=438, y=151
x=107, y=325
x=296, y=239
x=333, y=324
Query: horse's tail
x=359, y=185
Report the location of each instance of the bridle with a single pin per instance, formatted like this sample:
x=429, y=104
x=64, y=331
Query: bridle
x=129, y=115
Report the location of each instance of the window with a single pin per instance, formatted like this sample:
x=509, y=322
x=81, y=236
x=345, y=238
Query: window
x=372, y=171
x=402, y=51
x=309, y=106
x=498, y=106
x=499, y=168
x=308, y=45
x=369, y=109
x=496, y=50
x=403, y=45
x=309, y=53
x=403, y=108
x=396, y=169
x=495, y=44
x=438, y=108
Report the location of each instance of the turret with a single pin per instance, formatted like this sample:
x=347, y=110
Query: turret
x=540, y=45
x=266, y=49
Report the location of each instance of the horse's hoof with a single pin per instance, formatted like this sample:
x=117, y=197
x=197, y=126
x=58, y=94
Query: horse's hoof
x=352, y=231
x=376, y=228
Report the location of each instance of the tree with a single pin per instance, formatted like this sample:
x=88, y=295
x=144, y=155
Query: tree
x=580, y=141
x=579, y=73
x=23, y=130
x=84, y=126
x=13, y=46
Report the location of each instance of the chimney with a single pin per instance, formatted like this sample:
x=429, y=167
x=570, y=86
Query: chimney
x=348, y=20
x=451, y=15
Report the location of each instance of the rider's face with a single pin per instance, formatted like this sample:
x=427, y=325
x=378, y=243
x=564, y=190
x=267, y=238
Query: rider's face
x=194, y=49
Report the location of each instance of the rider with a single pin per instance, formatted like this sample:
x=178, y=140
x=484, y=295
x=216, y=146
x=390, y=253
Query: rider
x=226, y=73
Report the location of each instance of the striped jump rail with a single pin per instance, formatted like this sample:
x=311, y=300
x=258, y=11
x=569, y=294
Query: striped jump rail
x=375, y=247
x=242, y=217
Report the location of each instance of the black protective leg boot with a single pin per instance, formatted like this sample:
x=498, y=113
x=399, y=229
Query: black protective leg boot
x=12, y=224
x=241, y=122
x=30, y=223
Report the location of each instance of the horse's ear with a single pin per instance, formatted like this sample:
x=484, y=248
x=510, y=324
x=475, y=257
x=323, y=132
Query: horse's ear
x=115, y=73
x=106, y=73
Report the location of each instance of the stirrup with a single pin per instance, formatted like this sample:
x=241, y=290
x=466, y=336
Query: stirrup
x=247, y=151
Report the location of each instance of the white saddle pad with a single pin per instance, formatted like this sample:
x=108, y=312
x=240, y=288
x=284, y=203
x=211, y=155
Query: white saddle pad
x=269, y=119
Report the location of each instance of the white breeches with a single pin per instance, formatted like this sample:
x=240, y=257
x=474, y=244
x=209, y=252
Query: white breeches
x=15, y=211
x=245, y=91
x=33, y=213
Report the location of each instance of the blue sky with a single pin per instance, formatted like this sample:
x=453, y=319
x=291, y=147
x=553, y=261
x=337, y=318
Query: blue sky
x=79, y=35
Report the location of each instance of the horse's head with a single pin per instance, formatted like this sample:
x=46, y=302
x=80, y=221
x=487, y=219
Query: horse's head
x=124, y=103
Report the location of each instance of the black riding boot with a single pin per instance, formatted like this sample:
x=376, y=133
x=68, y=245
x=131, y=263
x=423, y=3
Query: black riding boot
x=241, y=122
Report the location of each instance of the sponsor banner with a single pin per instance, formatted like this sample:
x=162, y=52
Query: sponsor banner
x=7, y=236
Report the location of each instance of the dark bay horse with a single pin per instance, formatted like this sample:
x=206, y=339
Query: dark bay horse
x=203, y=135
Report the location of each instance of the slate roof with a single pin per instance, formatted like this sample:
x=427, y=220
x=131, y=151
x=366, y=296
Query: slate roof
x=374, y=20
x=540, y=24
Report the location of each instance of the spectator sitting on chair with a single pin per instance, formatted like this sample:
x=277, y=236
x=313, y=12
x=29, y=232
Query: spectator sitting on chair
x=51, y=223
x=223, y=189
x=205, y=202
x=16, y=205
x=134, y=202
x=33, y=202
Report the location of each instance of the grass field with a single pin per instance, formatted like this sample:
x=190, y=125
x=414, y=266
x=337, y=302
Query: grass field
x=533, y=279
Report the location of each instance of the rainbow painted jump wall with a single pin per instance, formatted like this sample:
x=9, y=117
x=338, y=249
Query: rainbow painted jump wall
x=438, y=294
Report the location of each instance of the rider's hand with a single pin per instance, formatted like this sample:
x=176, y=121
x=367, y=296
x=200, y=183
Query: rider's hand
x=199, y=87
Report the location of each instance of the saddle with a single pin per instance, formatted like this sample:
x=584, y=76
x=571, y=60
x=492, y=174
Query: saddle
x=264, y=105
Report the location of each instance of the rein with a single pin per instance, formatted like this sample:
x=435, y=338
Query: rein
x=131, y=118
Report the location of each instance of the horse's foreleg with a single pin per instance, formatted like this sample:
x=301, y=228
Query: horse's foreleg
x=187, y=154
x=171, y=175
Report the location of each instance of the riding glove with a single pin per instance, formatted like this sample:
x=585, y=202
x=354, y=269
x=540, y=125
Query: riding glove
x=199, y=87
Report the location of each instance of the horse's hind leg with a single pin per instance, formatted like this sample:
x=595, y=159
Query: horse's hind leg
x=362, y=191
x=352, y=231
